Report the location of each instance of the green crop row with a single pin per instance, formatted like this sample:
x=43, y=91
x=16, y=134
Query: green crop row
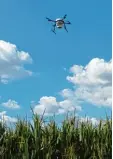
x=72, y=140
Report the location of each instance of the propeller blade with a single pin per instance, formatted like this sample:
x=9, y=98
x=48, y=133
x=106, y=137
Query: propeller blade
x=67, y=22
x=48, y=19
x=65, y=16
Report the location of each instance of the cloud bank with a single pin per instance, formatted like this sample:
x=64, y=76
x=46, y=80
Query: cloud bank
x=49, y=105
x=91, y=83
x=12, y=62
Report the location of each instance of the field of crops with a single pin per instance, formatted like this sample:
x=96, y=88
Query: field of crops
x=72, y=140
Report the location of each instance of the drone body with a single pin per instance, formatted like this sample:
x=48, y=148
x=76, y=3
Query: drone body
x=59, y=23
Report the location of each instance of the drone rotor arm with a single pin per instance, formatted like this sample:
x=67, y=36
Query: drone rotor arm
x=50, y=20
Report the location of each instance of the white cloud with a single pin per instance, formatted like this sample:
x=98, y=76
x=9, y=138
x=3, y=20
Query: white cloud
x=67, y=93
x=11, y=104
x=97, y=72
x=12, y=62
x=2, y=113
x=6, y=118
x=92, y=120
x=51, y=106
x=93, y=83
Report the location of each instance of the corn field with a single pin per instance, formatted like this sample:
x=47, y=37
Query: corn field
x=72, y=140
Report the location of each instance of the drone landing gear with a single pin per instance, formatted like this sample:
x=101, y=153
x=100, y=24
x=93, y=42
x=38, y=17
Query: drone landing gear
x=65, y=28
x=53, y=30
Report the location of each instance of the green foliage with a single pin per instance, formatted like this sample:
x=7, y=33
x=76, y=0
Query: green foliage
x=73, y=140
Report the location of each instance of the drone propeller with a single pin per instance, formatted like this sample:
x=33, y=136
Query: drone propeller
x=67, y=22
x=50, y=20
x=65, y=16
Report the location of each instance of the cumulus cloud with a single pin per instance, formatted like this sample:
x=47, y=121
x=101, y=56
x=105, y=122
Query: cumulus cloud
x=92, y=120
x=49, y=105
x=12, y=62
x=93, y=82
x=11, y=104
x=6, y=118
x=96, y=72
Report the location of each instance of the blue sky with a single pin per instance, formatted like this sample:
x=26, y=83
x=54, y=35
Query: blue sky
x=23, y=24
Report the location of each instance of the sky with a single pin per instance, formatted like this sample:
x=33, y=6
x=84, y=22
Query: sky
x=56, y=73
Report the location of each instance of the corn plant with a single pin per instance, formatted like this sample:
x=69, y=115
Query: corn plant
x=73, y=140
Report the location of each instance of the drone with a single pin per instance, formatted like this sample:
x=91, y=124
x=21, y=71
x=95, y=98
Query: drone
x=59, y=23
